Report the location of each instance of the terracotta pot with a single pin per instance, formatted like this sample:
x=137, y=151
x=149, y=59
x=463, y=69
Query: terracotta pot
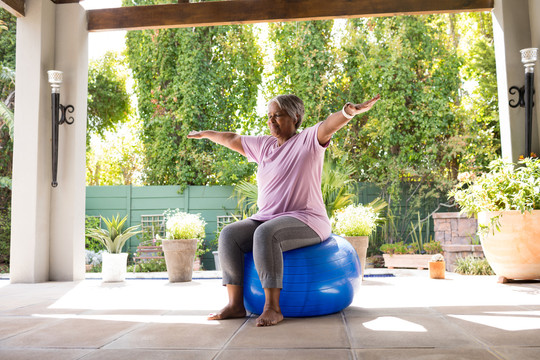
x=360, y=244
x=179, y=258
x=514, y=251
x=114, y=267
x=436, y=269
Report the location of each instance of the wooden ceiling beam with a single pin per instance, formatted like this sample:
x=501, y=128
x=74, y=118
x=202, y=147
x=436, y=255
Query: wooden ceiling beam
x=256, y=11
x=15, y=7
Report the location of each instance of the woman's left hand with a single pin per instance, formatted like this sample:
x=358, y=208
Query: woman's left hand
x=355, y=109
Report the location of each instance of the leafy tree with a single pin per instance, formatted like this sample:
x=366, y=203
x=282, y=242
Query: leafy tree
x=194, y=79
x=409, y=143
x=7, y=93
x=479, y=103
x=108, y=98
x=304, y=64
x=118, y=160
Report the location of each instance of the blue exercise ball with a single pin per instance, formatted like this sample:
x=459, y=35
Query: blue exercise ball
x=317, y=280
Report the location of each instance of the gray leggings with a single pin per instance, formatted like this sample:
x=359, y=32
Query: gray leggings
x=267, y=240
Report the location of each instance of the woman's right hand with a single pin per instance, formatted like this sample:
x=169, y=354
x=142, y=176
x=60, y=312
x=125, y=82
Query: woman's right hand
x=195, y=135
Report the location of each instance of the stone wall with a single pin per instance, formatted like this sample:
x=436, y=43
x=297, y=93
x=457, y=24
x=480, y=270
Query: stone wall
x=457, y=234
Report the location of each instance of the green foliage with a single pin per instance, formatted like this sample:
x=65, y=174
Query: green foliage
x=92, y=244
x=471, y=265
x=247, y=194
x=5, y=236
x=304, y=64
x=118, y=158
x=433, y=247
x=335, y=185
x=151, y=265
x=108, y=99
x=114, y=237
x=7, y=39
x=504, y=187
x=398, y=248
x=417, y=232
x=409, y=144
x=194, y=79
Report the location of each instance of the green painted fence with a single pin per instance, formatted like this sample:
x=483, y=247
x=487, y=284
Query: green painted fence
x=134, y=201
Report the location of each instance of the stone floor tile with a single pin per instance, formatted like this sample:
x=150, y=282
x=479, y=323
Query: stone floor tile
x=13, y=325
x=309, y=333
x=352, y=311
x=406, y=331
x=42, y=354
x=179, y=332
x=475, y=310
x=425, y=354
x=511, y=328
x=156, y=354
x=292, y=354
x=71, y=333
x=517, y=353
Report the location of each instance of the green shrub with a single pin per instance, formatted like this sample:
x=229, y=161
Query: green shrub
x=5, y=238
x=153, y=265
x=433, y=247
x=92, y=222
x=471, y=265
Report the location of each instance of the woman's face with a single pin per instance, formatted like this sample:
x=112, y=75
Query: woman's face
x=281, y=125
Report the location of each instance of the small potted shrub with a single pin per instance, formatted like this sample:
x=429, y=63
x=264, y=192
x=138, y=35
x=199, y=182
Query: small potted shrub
x=184, y=235
x=356, y=223
x=114, y=261
x=436, y=267
x=506, y=200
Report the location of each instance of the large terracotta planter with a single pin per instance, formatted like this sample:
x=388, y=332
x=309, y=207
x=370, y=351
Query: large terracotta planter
x=360, y=244
x=179, y=258
x=114, y=267
x=514, y=251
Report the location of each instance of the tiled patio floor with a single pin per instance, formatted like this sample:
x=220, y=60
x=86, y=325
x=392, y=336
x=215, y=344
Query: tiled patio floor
x=408, y=316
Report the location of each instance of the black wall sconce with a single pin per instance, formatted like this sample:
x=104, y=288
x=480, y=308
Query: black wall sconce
x=526, y=92
x=58, y=118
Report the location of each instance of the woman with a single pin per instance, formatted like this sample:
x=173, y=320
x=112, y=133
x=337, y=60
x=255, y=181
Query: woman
x=291, y=210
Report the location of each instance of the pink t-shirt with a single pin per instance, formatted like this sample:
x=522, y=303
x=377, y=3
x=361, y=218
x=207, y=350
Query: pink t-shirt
x=289, y=178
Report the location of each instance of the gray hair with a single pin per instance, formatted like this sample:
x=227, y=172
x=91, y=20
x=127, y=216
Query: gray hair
x=292, y=105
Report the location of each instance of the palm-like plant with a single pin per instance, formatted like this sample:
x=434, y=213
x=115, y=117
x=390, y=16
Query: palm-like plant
x=114, y=237
x=335, y=181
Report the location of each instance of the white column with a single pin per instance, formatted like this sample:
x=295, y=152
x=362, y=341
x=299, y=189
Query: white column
x=47, y=236
x=534, y=13
x=512, y=32
x=31, y=190
x=68, y=199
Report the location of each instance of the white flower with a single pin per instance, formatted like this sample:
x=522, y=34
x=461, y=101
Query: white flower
x=437, y=257
x=181, y=225
x=355, y=220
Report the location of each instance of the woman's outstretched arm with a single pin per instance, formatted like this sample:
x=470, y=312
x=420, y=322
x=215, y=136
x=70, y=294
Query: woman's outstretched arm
x=338, y=120
x=228, y=139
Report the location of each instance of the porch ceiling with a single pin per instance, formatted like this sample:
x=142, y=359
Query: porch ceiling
x=185, y=14
x=226, y=12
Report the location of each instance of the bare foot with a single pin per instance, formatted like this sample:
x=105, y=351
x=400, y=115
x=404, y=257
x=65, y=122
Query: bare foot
x=269, y=317
x=228, y=312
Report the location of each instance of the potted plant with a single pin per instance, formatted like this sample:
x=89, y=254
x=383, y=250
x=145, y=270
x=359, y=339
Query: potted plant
x=436, y=267
x=506, y=200
x=114, y=261
x=356, y=223
x=184, y=235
